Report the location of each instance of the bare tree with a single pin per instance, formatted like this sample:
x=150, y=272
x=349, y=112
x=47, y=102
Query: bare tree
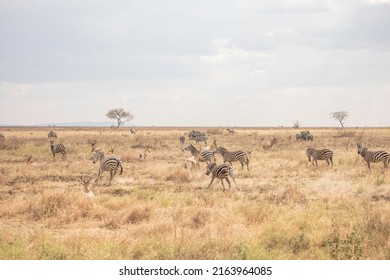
x=297, y=124
x=340, y=116
x=120, y=115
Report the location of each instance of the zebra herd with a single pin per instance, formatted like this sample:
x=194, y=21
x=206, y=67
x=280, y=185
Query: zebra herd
x=223, y=171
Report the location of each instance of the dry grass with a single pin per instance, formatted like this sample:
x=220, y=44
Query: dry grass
x=157, y=209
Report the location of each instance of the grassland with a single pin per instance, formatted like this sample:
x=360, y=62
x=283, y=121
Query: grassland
x=157, y=209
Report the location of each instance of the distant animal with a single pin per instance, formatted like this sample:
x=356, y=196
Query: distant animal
x=182, y=139
x=29, y=159
x=133, y=131
x=373, y=156
x=52, y=134
x=197, y=136
x=269, y=144
x=94, y=148
x=222, y=171
x=144, y=153
x=304, y=135
x=110, y=164
x=324, y=154
x=87, y=189
x=190, y=163
x=231, y=131
x=57, y=148
x=240, y=156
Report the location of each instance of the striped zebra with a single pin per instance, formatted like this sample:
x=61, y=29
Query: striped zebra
x=202, y=155
x=110, y=163
x=240, y=156
x=222, y=171
x=52, y=134
x=371, y=156
x=57, y=148
x=324, y=154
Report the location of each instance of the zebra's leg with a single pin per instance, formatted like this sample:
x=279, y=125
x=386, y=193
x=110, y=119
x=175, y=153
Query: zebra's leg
x=234, y=180
x=223, y=186
x=112, y=173
x=331, y=161
x=227, y=180
x=98, y=176
x=212, y=179
x=368, y=164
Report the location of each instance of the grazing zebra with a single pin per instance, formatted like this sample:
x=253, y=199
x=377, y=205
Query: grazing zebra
x=202, y=155
x=52, y=134
x=222, y=171
x=269, y=144
x=57, y=148
x=304, y=135
x=370, y=156
x=240, y=156
x=197, y=136
x=110, y=163
x=324, y=154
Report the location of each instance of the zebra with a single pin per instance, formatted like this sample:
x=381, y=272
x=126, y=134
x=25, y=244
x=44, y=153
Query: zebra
x=373, y=156
x=110, y=163
x=240, y=156
x=197, y=136
x=269, y=144
x=202, y=155
x=222, y=171
x=324, y=154
x=304, y=135
x=57, y=148
x=52, y=134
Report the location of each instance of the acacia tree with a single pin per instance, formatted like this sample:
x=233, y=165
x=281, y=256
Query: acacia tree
x=340, y=116
x=296, y=124
x=120, y=115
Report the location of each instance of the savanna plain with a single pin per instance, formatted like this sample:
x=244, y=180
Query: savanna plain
x=286, y=208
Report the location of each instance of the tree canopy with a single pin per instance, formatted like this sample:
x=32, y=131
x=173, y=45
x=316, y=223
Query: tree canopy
x=120, y=115
x=340, y=116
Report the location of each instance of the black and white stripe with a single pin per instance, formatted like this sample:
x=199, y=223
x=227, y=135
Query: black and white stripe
x=110, y=164
x=222, y=171
x=324, y=154
x=57, y=148
x=373, y=156
x=240, y=156
x=202, y=155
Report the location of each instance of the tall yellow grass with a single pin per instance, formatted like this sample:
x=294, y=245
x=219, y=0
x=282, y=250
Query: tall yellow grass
x=157, y=209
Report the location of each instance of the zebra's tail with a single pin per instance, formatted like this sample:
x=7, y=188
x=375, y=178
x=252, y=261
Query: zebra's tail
x=120, y=165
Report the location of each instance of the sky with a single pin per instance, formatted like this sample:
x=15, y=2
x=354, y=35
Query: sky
x=195, y=62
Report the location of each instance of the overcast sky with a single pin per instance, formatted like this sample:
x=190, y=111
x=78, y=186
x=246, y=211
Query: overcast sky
x=195, y=63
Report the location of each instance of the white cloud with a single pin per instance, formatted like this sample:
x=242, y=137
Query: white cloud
x=376, y=2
